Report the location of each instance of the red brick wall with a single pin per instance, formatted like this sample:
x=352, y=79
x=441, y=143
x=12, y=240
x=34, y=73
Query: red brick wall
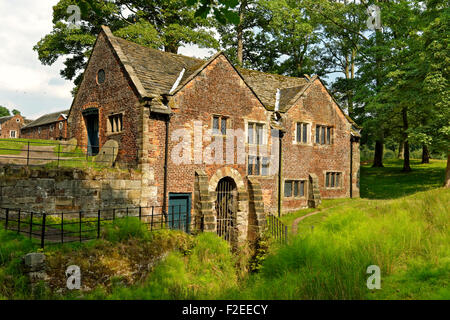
x=11, y=124
x=46, y=131
x=217, y=90
x=115, y=95
x=317, y=108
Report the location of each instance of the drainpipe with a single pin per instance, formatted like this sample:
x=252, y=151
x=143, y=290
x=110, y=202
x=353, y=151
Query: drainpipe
x=166, y=160
x=351, y=166
x=280, y=157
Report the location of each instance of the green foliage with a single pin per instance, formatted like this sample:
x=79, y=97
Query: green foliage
x=330, y=261
x=159, y=24
x=124, y=229
x=4, y=112
x=204, y=273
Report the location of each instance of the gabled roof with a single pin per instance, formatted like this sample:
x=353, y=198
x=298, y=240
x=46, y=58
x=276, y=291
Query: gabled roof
x=154, y=73
x=265, y=86
x=4, y=119
x=47, y=119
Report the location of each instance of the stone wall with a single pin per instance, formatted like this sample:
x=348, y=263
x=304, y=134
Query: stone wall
x=66, y=190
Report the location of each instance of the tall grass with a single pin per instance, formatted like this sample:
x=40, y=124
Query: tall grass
x=407, y=238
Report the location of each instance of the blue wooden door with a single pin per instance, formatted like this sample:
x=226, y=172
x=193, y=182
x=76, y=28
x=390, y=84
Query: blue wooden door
x=179, y=211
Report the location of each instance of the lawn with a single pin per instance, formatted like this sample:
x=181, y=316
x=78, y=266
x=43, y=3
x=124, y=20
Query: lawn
x=390, y=182
x=385, y=183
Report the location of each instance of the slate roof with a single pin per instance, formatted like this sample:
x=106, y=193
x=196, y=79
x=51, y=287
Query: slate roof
x=46, y=119
x=265, y=86
x=155, y=72
x=4, y=119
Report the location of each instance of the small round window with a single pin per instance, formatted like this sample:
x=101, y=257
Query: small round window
x=101, y=76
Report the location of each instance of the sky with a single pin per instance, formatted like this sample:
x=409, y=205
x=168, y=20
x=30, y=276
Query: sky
x=26, y=84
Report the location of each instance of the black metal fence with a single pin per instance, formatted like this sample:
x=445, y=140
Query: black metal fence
x=276, y=228
x=59, y=153
x=53, y=228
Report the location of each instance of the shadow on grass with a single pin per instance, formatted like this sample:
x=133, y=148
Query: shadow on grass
x=391, y=183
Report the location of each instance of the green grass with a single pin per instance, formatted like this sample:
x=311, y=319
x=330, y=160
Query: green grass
x=390, y=182
x=404, y=230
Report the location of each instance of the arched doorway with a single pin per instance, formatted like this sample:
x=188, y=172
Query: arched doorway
x=226, y=208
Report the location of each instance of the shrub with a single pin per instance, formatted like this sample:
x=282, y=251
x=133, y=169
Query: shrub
x=124, y=229
x=388, y=154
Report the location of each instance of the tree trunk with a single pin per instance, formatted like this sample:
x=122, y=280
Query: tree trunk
x=378, y=157
x=240, y=33
x=425, y=154
x=400, y=154
x=406, y=165
x=447, y=175
x=172, y=48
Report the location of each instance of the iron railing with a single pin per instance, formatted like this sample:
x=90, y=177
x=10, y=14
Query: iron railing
x=277, y=229
x=53, y=228
x=55, y=153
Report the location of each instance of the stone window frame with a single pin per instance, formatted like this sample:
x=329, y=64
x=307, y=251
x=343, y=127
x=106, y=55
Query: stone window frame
x=52, y=127
x=221, y=118
x=262, y=160
x=293, y=181
x=265, y=139
x=253, y=150
x=39, y=130
x=327, y=127
x=61, y=125
x=96, y=76
x=110, y=125
x=309, y=140
x=341, y=179
x=17, y=120
x=11, y=134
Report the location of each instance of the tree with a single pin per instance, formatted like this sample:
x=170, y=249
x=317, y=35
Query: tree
x=159, y=24
x=4, y=112
x=15, y=112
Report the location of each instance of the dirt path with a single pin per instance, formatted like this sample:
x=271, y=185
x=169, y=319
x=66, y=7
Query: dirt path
x=294, y=228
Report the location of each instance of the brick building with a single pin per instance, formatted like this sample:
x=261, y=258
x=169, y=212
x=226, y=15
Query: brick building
x=52, y=126
x=207, y=135
x=10, y=126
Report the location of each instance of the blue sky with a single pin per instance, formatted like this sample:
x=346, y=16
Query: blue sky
x=26, y=84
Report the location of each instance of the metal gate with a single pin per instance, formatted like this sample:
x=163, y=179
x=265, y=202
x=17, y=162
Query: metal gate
x=226, y=207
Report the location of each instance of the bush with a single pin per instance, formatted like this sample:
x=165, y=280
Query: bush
x=124, y=229
x=366, y=154
x=203, y=272
x=388, y=154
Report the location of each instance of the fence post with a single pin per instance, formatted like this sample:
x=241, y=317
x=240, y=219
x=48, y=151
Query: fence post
x=79, y=229
x=28, y=153
x=44, y=216
x=151, y=224
x=7, y=218
x=98, y=225
x=140, y=213
x=285, y=234
x=62, y=227
x=59, y=150
x=114, y=214
x=31, y=225
x=18, y=223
